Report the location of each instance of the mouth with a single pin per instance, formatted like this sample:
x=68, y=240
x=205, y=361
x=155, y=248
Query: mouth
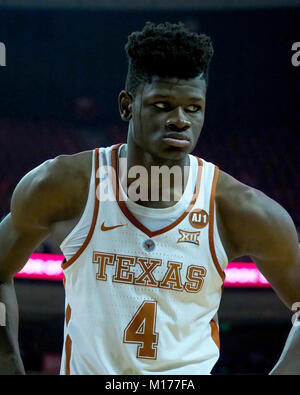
x=178, y=140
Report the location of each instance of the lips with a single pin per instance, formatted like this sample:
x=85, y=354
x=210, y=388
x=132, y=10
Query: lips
x=178, y=140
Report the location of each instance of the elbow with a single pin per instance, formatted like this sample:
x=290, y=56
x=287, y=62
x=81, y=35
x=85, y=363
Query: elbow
x=5, y=278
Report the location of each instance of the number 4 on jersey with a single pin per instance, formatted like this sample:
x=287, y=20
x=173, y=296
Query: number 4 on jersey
x=141, y=331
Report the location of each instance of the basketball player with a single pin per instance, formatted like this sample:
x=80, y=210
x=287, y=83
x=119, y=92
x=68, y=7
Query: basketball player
x=144, y=277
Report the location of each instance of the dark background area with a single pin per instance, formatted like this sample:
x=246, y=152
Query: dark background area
x=64, y=71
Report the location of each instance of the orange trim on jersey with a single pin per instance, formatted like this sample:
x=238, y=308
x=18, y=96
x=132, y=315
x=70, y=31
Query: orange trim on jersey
x=211, y=225
x=68, y=351
x=95, y=215
x=215, y=333
x=68, y=314
x=130, y=216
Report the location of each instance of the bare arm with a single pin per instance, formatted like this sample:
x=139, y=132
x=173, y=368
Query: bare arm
x=10, y=358
x=255, y=225
x=18, y=239
x=45, y=196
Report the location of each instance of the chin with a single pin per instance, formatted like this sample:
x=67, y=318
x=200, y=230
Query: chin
x=172, y=153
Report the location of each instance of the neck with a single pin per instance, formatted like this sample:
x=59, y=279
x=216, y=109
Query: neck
x=160, y=182
x=136, y=156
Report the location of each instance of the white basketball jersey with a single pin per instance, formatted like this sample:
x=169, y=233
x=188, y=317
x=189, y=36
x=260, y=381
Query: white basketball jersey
x=140, y=301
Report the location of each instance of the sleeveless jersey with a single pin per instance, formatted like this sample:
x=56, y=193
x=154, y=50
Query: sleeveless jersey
x=139, y=301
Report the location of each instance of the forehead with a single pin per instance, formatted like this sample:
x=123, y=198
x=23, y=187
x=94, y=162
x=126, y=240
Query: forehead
x=193, y=87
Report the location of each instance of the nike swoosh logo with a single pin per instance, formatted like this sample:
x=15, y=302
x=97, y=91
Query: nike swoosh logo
x=105, y=228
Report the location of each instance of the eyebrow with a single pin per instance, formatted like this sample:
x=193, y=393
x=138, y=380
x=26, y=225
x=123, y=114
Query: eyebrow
x=158, y=95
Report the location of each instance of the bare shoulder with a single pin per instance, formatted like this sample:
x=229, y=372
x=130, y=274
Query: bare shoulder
x=54, y=191
x=249, y=219
x=234, y=195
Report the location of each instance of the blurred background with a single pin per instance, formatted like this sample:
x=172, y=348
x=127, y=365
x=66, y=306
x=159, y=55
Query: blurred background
x=65, y=66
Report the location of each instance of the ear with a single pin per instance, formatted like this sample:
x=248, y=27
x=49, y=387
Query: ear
x=125, y=105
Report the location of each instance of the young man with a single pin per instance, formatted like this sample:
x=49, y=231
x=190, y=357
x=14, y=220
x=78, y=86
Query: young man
x=143, y=273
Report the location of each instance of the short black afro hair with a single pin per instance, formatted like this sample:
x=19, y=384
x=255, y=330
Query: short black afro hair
x=166, y=50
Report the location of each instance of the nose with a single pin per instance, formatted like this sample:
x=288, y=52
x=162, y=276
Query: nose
x=177, y=120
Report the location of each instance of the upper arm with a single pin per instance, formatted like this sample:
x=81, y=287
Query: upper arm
x=25, y=226
x=46, y=195
x=255, y=225
x=276, y=250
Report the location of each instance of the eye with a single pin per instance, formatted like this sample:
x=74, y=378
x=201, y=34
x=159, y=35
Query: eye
x=162, y=105
x=193, y=108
